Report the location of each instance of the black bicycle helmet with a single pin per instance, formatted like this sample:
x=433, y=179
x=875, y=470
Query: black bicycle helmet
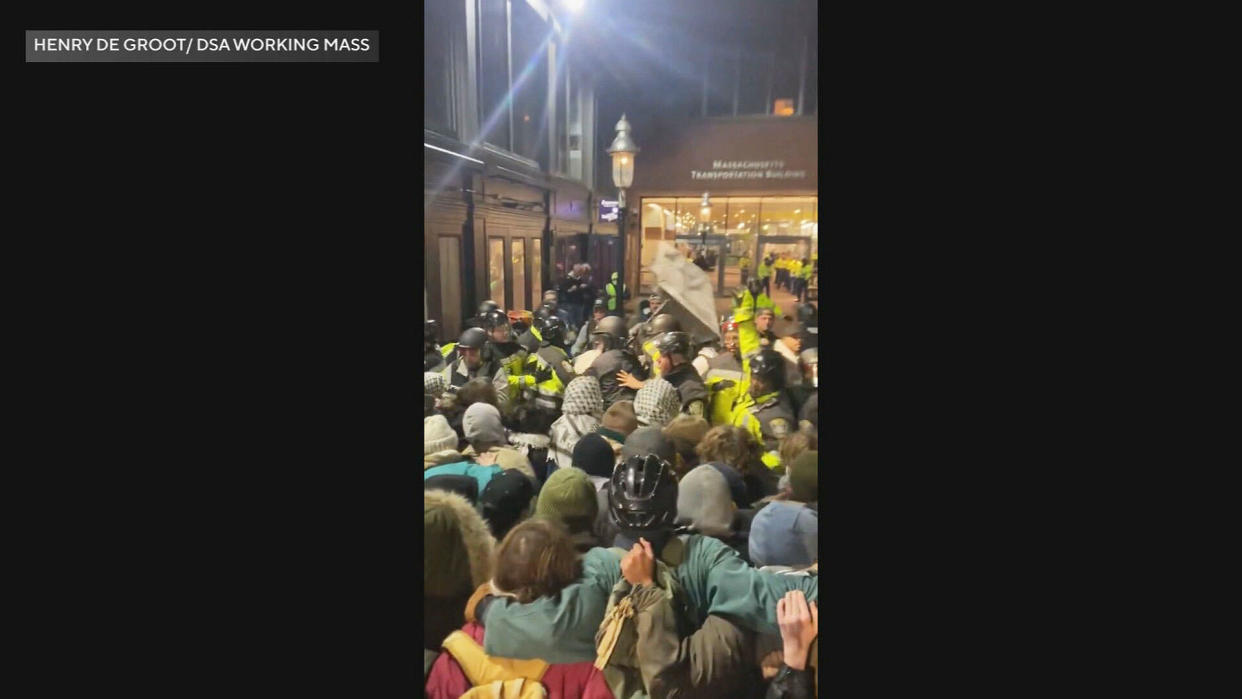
x=672, y=343
x=431, y=331
x=472, y=338
x=769, y=366
x=599, y=305
x=553, y=331
x=488, y=305
x=643, y=494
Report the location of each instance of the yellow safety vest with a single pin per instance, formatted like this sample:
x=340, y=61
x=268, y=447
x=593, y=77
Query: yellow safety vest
x=548, y=393
x=744, y=417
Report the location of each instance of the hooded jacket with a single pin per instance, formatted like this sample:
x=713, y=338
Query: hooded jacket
x=581, y=410
x=457, y=558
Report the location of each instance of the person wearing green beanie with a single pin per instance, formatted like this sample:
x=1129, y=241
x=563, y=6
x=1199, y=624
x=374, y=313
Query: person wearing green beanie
x=804, y=478
x=568, y=497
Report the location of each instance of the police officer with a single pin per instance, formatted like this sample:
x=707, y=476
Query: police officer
x=649, y=332
x=808, y=327
x=432, y=359
x=765, y=274
x=471, y=365
x=675, y=367
x=598, y=311
x=617, y=294
x=476, y=321
x=764, y=320
x=530, y=339
x=614, y=359
x=449, y=351
x=550, y=300
x=765, y=410
x=504, y=349
x=550, y=367
x=726, y=378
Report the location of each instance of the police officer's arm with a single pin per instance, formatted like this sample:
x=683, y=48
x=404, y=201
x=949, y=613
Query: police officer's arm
x=501, y=383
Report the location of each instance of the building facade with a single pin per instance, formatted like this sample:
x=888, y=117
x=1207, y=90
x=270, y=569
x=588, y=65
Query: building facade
x=731, y=109
x=509, y=156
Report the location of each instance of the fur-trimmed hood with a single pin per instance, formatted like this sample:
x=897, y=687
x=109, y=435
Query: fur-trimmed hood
x=457, y=545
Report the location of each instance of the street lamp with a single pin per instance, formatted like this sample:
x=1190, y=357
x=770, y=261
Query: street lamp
x=705, y=218
x=622, y=150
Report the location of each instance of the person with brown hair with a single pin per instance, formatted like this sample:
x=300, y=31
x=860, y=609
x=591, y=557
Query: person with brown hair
x=536, y=559
x=796, y=444
x=734, y=447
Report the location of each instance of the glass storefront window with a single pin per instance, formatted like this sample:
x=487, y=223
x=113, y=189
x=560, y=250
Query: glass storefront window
x=786, y=215
x=519, y=273
x=536, y=269
x=660, y=222
x=496, y=271
x=743, y=215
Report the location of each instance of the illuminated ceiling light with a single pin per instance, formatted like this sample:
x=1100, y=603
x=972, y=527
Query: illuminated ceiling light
x=525, y=117
x=797, y=211
x=573, y=5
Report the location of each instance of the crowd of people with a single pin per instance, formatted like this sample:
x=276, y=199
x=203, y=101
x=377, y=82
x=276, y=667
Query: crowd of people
x=621, y=507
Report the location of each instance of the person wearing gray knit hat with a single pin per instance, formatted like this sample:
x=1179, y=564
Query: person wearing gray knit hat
x=489, y=442
x=656, y=403
x=704, y=502
x=482, y=427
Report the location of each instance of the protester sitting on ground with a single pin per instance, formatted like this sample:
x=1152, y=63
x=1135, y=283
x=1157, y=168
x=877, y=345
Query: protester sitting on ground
x=569, y=498
x=618, y=423
x=535, y=560
x=705, y=506
x=488, y=441
x=581, y=410
x=457, y=558
x=594, y=455
x=735, y=447
x=799, y=623
x=786, y=532
x=686, y=432
x=715, y=579
x=656, y=403
x=508, y=499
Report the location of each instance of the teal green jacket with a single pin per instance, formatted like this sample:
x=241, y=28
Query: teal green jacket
x=482, y=474
x=561, y=628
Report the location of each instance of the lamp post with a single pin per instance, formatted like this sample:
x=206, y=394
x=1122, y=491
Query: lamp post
x=705, y=220
x=622, y=150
